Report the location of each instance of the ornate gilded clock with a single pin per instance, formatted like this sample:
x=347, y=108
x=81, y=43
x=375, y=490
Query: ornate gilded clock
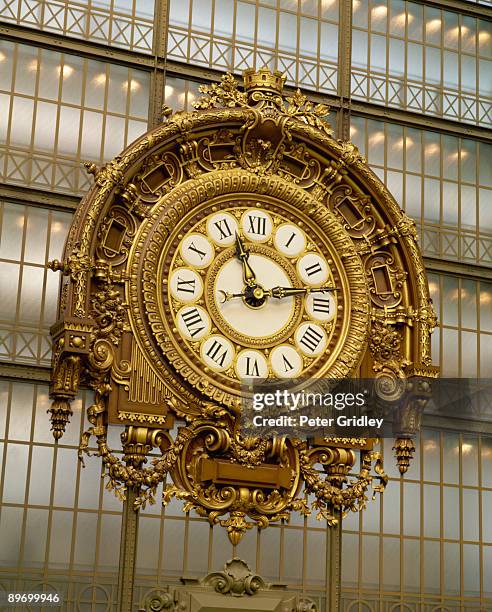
x=237, y=242
x=246, y=286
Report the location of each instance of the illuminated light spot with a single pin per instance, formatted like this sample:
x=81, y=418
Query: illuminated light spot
x=466, y=449
x=56, y=226
x=483, y=37
x=409, y=141
x=20, y=221
x=376, y=138
x=353, y=130
x=132, y=84
x=432, y=149
x=464, y=154
x=65, y=71
x=33, y=66
x=433, y=25
x=99, y=79
x=168, y=91
x=325, y=4
x=356, y=5
x=433, y=287
x=430, y=445
x=3, y=57
x=378, y=12
x=485, y=297
x=401, y=18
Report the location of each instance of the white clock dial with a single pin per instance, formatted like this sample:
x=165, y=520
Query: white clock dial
x=222, y=228
x=321, y=306
x=197, y=251
x=289, y=240
x=251, y=364
x=186, y=285
x=313, y=269
x=285, y=361
x=193, y=322
x=311, y=339
x=217, y=352
x=256, y=225
x=255, y=323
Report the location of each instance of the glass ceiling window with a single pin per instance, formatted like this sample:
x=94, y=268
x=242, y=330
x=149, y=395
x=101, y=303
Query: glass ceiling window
x=422, y=59
x=300, y=38
x=30, y=236
x=58, y=110
x=120, y=23
x=443, y=182
x=426, y=544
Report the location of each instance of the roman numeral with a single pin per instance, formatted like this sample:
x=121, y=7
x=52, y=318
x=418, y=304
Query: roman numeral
x=215, y=354
x=257, y=225
x=223, y=226
x=313, y=269
x=290, y=240
x=287, y=365
x=193, y=321
x=311, y=338
x=321, y=305
x=252, y=367
x=201, y=254
x=186, y=286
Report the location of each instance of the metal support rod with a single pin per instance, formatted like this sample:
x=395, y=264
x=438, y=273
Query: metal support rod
x=128, y=552
x=334, y=565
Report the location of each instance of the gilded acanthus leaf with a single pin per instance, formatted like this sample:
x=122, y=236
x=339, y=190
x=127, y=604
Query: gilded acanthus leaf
x=300, y=107
x=220, y=95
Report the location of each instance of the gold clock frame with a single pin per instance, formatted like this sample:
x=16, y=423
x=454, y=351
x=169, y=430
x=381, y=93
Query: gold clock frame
x=251, y=140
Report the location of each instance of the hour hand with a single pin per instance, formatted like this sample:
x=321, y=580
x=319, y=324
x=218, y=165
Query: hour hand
x=281, y=292
x=242, y=254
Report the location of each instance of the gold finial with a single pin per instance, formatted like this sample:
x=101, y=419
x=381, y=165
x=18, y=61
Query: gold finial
x=263, y=79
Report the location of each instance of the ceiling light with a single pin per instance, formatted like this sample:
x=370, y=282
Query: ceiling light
x=376, y=138
x=65, y=70
x=430, y=445
x=466, y=448
x=400, y=19
x=433, y=25
x=378, y=12
x=133, y=84
x=432, y=149
x=99, y=79
x=483, y=37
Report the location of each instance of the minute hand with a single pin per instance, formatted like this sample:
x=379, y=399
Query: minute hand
x=242, y=254
x=281, y=292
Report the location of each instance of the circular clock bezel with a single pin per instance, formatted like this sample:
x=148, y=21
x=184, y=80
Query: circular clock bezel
x=184, y=207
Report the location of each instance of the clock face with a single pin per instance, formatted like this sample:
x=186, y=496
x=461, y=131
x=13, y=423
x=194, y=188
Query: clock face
x=245, y=287
x=227, y=291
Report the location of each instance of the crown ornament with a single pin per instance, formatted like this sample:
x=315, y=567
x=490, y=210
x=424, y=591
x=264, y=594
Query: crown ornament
x=263, y=79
